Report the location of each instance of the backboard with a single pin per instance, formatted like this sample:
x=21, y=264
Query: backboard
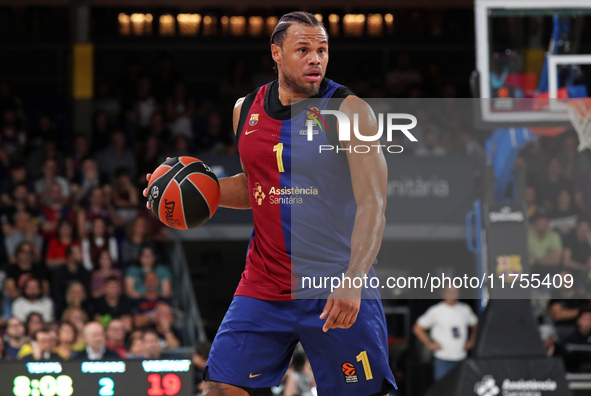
x=531, y=56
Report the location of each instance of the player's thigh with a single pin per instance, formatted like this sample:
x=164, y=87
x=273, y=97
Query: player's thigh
x=212, y=388
x=254, y=344
x=352, y=361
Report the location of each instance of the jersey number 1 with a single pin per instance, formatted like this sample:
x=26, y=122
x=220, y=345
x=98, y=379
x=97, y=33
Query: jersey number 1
x=362, y=357
x=278, y=148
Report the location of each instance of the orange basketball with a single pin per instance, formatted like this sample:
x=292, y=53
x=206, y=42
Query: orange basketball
x=183, y=193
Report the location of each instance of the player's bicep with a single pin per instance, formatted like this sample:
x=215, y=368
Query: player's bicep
x=236, y=114
x=369, y=173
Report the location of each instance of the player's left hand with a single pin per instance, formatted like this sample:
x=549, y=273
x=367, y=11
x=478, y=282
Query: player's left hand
x=341, y=308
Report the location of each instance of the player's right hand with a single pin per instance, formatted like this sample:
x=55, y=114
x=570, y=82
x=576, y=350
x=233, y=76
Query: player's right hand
x=145, y=192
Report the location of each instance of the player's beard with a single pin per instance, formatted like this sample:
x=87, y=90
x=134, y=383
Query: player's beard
x=308, y=90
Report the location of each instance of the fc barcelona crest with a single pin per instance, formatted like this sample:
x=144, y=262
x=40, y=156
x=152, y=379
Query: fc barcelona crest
x=254, y=118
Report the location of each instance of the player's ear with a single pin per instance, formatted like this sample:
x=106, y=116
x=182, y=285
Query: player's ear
x=276, y=52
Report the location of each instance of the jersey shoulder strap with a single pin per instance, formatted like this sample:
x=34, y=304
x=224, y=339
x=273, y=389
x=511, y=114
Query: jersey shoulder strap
x=244, y=110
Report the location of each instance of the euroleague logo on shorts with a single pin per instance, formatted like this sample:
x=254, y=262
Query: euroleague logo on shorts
x=350, y=373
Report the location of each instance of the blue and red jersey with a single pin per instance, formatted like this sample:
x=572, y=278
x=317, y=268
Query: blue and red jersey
x=302, y=199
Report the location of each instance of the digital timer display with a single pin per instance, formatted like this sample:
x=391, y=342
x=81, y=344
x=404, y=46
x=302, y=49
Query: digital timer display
x=129, y=377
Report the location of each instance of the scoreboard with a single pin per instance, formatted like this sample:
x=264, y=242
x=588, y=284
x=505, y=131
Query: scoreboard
x=97, y=378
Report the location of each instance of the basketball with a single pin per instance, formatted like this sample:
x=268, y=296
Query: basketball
x=183, y=193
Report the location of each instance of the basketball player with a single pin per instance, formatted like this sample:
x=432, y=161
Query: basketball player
x=336, y=230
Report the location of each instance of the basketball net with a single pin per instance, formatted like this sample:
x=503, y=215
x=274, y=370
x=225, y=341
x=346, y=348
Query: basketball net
x=579, y=112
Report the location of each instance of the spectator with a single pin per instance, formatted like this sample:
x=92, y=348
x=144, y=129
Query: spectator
x=551, y=184
x=149, y=156
x=64, y=277
x=136, y=345
x=575, y=360
x=116, y=156
x=300, y=379
x=98, y=207
x=430, y=147
x=470, y=147
x=112, y=305
x=564, y=217
x=146, y=307
x=50, y=176
x=577, y=250
x=12, y=137
x=19, y=199
x=213, y=138
x=138, y=235
x=565, y=306
x=105, y=102
x=402, y=77
x=134, y=279
x=88, y=179
x=99, y=239
x=42, y=347
x=200, y=357
x=545, y=247
x=33, y=323
x=96, y=348
x=101, y=130
x=152, y=349
x=145, y=104
x=531, y=201
x=116, y=337
x=180, y=110
x=573, y=162
x=15, y=337
x=53, y=210
x=453, y=331
x=78, y=317
x=549, y=338
x=32, y=301
x=25, y=230
x=124, y=195
x=37, y=160
x=74, y=162
x=57, y=249
x=76, y=297
x=67, y=336
x=583, y=191
x=105, y=271
x=163, y=324
x=23, y=270
x=17, y=175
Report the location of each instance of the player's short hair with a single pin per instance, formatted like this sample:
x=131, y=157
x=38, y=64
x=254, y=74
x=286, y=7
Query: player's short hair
x=300, y=17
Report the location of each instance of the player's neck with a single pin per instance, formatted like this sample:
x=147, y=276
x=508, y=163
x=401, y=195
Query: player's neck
x=287, y=96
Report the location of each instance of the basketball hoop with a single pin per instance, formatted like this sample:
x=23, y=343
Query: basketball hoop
x=579, y=112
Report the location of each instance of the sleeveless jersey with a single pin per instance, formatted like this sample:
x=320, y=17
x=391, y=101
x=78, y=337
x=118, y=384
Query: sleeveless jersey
x=302, y=199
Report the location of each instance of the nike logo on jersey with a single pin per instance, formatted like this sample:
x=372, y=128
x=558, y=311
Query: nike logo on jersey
x=251, y=375
x=247, y=132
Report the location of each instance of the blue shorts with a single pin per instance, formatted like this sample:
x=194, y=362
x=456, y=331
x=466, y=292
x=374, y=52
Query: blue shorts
x=255, y=342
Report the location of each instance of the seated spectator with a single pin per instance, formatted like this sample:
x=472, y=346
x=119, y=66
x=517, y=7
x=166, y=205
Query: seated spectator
x=430, y=147
x=42, y=347
x=112, y=305
x=54, y=210
x=551, y=183
x=138, y=235
x=78, y=317
x=32, y=301
x=57, y=247
x=134, y=278
x=24, y=230
x=200, y=357
x=152, y=349
x=564, y=307
x=17, y=174
x=66, y=337
x=105, y=271
x=545, y=247
x=20, y=199
x=80, y=151
x=124, y=195
x=116, y=156
x=136, y=345
x=149, y=156
x=96, y=344
x=37, y=159
x=145, y=307
x=98, y=206
x=24, y=269
x=116, y=337
x=33, y=323
x=163, y=324
x=581, y=335
x=50, y=176
x=64, y=277
x=15, y=337
x=76, y=297
x=100, y=238
x=87, y=179
x=564, y=218
x=576, y=256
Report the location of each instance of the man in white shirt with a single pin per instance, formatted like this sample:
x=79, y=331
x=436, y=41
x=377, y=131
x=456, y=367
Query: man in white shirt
x=452, y=326
x=32, y=301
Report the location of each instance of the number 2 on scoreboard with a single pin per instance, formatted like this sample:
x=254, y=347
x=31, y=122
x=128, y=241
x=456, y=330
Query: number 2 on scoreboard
x=107, y=385
x=278, y=148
